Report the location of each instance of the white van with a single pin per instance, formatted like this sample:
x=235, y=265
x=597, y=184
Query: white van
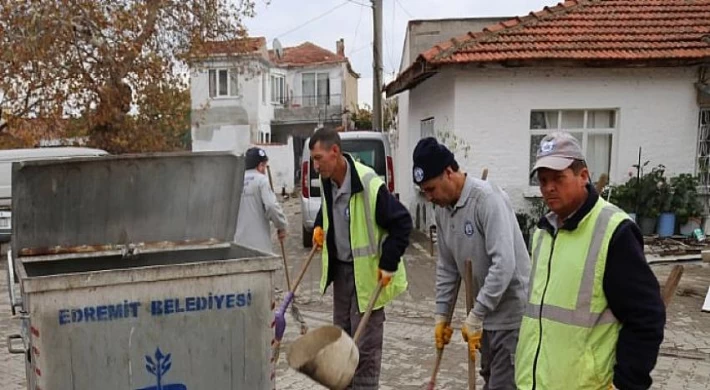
x=371, y=148
x=9, y=156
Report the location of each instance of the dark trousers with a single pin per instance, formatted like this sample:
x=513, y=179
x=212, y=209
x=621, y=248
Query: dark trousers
x=498, y=359
x=347, y=316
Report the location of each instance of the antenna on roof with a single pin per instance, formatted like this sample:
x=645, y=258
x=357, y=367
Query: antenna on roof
x=278, y=49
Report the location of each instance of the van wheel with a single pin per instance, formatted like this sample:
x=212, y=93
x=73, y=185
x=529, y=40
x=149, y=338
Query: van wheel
x=307, y=238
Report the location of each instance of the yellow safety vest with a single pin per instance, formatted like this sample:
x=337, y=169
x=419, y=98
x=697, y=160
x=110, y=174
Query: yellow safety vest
x=568, y=334
x=366, y=239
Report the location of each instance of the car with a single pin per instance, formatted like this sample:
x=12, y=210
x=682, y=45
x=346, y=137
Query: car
x=371, y=148
x=10, y=156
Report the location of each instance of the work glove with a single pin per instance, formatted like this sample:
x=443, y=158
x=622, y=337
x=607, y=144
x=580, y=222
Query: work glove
x=472, y=330
x=318, y=237
x=385, y=276
x=442, y=331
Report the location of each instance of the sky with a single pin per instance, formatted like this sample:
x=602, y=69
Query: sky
x=325, y=21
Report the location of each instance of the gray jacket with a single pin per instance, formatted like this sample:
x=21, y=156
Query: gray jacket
x=482, y=227
x=258, y=206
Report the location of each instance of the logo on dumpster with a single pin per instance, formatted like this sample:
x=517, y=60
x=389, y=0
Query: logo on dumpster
x=159, y=367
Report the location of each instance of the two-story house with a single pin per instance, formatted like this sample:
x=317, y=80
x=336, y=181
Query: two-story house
x=243, y=94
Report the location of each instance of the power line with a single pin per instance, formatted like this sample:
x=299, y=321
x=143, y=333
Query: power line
x=360, y=4
x=357, y=27
x=314, y=19
x=404, y=9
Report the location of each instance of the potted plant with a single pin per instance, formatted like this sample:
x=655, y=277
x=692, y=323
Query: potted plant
x=649, y=199
x=624, y=196
x=686, y=204
x=665, y=202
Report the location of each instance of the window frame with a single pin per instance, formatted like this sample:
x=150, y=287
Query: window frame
x=213, y=83
x=279, y=98
x=316, y=100
x=584, y=130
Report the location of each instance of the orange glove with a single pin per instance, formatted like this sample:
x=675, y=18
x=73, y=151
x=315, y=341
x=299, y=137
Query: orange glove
x=318, y=237
x=442, y=332
x=472, y=330
x=385, y=276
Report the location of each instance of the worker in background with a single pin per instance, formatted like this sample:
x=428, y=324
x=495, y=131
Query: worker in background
x=476, y=221
x=258, y=206
x=364, y=231
x=595, y=313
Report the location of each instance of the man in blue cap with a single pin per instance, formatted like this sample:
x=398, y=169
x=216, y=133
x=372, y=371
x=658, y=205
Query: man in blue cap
x=258, y=206
x=475, y=221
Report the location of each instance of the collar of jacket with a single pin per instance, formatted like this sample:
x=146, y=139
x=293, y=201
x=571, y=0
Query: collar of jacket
x=355, y=183
x=573, y=222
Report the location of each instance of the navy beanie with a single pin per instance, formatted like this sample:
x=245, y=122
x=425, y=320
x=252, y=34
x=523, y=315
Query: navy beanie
x=255, y=156
x=430, y=159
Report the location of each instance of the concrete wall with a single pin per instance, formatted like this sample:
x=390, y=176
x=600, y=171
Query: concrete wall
x=434, y=98
x=214, y=120
x=490, y=110
x=350, y=102
x=281, y=163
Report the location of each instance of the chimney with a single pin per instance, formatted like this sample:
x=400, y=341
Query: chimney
x=340, y=47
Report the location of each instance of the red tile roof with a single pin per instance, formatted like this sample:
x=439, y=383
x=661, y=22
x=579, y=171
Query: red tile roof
x=587, y=32
x=235, y=46
x=306, y=54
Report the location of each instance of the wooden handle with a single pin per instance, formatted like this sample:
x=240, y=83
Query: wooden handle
x=484, y=174
x=368, y=312
x=271, y=182
x=449, y=318
x=468, y=281
x=304, y=268
x=283, y=255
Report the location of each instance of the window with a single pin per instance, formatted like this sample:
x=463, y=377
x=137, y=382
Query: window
x=426, y=127
x=315, y=89
x=223, y=82
x=703, y=166
x=278, y=89
x=594, y=129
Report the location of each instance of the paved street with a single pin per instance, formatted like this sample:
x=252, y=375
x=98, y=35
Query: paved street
x=409, y=352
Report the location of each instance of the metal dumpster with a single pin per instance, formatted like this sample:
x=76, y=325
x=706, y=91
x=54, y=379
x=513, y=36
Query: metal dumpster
x=129, y=278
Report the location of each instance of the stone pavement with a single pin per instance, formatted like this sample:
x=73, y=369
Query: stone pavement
x=408, y=356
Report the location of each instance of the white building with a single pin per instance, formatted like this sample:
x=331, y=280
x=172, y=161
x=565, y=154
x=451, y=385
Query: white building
x=244, y=94
x=618, y=75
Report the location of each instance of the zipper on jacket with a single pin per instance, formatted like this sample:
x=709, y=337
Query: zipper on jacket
x=542, y=303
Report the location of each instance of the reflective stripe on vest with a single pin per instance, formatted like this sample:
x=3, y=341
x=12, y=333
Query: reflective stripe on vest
x=371, y=248
x=582, y=315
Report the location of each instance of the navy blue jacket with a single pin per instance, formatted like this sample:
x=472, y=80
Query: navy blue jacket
x=390, y=215
x=634, y=296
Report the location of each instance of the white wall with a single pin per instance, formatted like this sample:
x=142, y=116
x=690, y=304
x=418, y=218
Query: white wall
x=434, y=98
x=490, y=110
x=259, y=114
x=657, y=111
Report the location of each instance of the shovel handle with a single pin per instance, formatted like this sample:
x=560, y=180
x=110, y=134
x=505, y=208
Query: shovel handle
x=449, y=318
x=283, y=255
x=304, y=268
x=468, y=281
x=368, y=312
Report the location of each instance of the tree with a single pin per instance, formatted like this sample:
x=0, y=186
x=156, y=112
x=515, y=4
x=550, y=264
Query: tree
x=119, y=66
x=362, y=117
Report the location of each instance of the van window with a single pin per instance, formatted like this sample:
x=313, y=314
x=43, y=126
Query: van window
x=368, y=152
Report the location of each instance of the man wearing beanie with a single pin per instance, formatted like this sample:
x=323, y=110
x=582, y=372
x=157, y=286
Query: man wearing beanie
x=258, y=206
x=475, y=221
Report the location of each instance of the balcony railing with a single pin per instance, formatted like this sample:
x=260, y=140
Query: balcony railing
x=312, y=101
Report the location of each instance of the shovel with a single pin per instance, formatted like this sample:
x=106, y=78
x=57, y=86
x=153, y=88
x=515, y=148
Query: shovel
x=327, y=354
x=280, y=314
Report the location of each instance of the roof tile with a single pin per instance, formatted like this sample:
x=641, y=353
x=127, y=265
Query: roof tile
x=306, y=54
x=589, y=30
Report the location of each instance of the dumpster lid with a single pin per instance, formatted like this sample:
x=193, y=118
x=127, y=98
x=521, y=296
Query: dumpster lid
x=107, y=201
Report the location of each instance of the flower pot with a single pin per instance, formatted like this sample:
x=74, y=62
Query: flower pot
x=666, y=224
x=687, y=228
x=647, y=225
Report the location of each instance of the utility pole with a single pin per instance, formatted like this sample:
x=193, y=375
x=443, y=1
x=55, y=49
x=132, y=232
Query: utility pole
x=377, y=66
